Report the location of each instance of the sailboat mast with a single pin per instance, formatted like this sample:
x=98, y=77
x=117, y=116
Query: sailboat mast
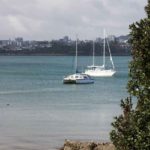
x=104, y=50
x=76, y=59
x=93, y=53
x=110, y=55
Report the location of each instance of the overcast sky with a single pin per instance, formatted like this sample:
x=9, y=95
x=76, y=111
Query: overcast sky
x=53, y=19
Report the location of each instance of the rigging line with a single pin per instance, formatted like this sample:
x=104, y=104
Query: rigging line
x=104, y=32
x=93, y=53
x=76, y=59
x=110, y=54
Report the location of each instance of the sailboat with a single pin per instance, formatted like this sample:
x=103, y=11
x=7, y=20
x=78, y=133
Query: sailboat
x=101, y=71
x=78, y=78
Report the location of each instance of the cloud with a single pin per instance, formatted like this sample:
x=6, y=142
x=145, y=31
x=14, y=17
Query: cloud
x=16, y=24
x=52, y=19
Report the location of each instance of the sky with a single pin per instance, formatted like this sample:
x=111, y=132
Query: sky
x=54, y=19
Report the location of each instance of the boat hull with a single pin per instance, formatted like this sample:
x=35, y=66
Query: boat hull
x=69, y=81
x=78, y=78
x=80, y=81
x=100, y=73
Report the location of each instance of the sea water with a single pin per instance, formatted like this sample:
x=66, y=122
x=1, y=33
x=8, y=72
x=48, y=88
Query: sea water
x=38, y=112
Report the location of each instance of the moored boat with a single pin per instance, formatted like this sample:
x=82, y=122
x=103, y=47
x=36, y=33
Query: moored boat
x=77, y=78
x=101, y=71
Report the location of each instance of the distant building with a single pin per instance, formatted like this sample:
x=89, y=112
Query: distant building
x=43, y=44
x=19, y=41
x=4, y=43
x=99, y=40
x=66, y=40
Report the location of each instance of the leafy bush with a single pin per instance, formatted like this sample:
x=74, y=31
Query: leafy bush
x=131, y=130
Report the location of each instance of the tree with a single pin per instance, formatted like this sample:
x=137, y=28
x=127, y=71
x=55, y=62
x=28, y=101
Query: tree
x=132, y=128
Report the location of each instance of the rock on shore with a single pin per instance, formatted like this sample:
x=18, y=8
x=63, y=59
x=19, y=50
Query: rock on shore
x=77, y=145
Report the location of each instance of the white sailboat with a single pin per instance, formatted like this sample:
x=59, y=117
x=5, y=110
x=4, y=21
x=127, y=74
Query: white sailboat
x=101, y=71
x=78, y=78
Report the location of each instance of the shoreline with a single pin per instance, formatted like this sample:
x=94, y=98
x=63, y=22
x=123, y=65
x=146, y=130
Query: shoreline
x=91, y=145
x=53, y=54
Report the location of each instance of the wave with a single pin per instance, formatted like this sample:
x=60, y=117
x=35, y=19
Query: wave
x=32, y=91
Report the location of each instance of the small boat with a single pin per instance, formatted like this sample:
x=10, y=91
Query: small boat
x=101, y=71
x=78, y=78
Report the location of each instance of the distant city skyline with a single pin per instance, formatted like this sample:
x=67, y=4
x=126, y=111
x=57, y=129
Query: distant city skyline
x=48, y=19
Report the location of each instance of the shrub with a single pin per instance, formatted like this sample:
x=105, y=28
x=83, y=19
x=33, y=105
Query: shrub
x=131, y=130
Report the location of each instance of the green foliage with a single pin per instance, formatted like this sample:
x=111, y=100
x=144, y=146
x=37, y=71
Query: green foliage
x=132, y=128
x=123, y=134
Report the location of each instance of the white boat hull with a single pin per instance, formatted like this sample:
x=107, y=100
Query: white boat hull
x=100, y=73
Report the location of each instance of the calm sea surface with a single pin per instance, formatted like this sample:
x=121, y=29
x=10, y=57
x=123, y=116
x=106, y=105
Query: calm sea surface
x=38, y=112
